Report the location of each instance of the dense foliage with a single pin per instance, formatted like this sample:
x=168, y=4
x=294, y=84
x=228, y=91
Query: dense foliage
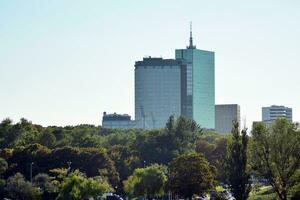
x=85, y=161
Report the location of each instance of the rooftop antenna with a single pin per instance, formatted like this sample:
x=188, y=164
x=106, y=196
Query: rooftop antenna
x=191, y=46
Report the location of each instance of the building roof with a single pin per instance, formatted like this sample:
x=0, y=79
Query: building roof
x=150, y=61
x=116, y=117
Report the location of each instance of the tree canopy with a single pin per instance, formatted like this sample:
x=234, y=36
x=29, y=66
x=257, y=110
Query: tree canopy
x=190, y=174
x=276, y=154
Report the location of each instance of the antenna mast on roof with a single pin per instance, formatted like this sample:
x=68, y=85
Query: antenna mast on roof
x=191, y=46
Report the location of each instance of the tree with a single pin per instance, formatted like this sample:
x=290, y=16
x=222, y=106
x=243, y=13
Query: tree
x=47, y=139
x=190, y=174
x=236, y=163
x=149, y=181
x=125, y=162
x=162, y=145
x=19, y=188
x=77, y=187
x=42, y=181
x=3, y=166
x=276, y=154
x=91, y=161
x=295, y=189
x=215, y=153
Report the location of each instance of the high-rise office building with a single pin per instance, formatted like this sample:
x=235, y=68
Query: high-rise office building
x=200, y=82
x=270, y=114
x=225, y=115
x=158, y=84
x=182, y=86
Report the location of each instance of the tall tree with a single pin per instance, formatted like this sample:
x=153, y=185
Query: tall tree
x=190, y=174
x=276, y=154
x=236, y=163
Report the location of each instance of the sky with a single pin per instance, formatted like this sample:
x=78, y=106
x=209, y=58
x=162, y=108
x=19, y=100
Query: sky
x=64, y=62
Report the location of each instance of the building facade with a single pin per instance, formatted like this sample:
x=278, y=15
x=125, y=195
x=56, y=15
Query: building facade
x=157, y=91
x=270, y=114
x=225, y=115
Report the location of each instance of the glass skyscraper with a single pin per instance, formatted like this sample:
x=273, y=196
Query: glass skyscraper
x=200, y=84
x=157, y=91
x=182, y=86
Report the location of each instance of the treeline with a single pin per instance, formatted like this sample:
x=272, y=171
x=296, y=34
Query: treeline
x=85, y=161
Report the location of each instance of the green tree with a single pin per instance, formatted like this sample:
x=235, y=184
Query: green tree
x=190, y=174
x=236, y=163
x=3, y=166
x=125, y=162
x=5, y=127
x=47, y=139
x=149, y=181
x=42, y=181
x=161, y=146
x=78, y=187
x=276, y=154
x=18, y=188
x=215, y=153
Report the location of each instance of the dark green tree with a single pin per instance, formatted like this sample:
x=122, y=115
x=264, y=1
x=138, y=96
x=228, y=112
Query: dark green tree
x=3, y=166
x=162, y=145
x=190, y=174
x=215, y=153
x=18, y=188
x=236, y=163
x=47, y=139
x=44, y=182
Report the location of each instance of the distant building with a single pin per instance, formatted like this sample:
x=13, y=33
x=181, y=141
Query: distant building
x=270, y=114
x=117, y=121
x=225, y=115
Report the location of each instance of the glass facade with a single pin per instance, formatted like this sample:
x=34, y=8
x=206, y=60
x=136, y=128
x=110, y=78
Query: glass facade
x=157, y=91
x=200, y=85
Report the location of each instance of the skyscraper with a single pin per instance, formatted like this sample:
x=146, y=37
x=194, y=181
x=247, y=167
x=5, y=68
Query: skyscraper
x=157, y=91
x=200, y=82
x=182, y=86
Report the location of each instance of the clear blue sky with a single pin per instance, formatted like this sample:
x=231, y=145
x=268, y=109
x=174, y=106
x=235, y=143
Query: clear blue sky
x=65, y=62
